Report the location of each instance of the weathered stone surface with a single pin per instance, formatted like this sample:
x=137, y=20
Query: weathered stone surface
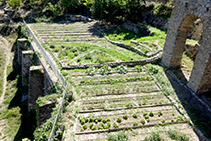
x=36, y=85
x=184, y=14
x=27, y=61
x=22, y=45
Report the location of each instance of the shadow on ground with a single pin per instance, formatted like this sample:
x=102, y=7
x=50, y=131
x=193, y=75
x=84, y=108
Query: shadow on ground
x=198, y=114
x=28, y=119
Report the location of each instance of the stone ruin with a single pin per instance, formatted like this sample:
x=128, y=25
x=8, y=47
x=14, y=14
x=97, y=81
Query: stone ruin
x=184, y=14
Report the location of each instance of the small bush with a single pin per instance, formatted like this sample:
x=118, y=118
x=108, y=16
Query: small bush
x=135, y=115
x=119, y=119
x=91, y=124
x=86, y=120
x=155, y=136
x=82, y=121
x=104, y=120
x=163, y=121
x=108, y=124
x=121, y=136
x=115, y=125
x=99, y=119
x=91, y=119
x=146, y=117
x=84, y=127
x=94, y=127
x=151, y=114
x=135, y=124
x=160, y=113
x=125, y=117
x=143, y=121
x=177, y=136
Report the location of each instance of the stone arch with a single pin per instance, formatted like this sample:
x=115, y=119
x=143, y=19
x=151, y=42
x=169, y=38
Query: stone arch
x=183, y=15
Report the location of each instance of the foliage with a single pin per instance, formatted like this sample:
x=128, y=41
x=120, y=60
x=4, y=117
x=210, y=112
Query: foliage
x=135, y=115
x=135, y=124
x=121, y=69
x=91, y=71
x=23, y=31
x=162, y=10
x=138, y=68
x=155, y=136
x=125, y=117
x=105, y=70
x=119, y=119
x=151, y=114
x=143, y=121
x=177, y=136
x=115, y=125
x=15, y=3
x=121, y=136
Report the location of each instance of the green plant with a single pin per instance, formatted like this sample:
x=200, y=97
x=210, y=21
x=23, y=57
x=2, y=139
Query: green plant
x=105, y=70
x=138, y=68
x=163, y=120
x=121, y=69
x=15, y=3
x=94, y=127
x=91, y=124
x=151, y=114
x=104, y=120
x=177, y=136
x=82, y=121
x=115, y=125
x=180, y=118
x=119, y=119
x=135, y=124
x=146, y=116
x=108, y=124
x=155, y=136
x=91, y=119
x=121, y=136
x=143, y=121
x=135, y=115
x=125, y=117
x=85, y=127
x=160, y=113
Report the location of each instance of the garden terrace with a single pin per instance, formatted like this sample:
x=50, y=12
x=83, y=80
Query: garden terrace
x=105, y=107
x=108, y=99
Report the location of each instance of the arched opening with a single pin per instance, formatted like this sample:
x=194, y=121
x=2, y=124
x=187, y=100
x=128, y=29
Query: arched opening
x=186, y=46
x=192, y=45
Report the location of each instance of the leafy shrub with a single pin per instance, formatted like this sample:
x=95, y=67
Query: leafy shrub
x=138, y=68
x=163, y=120
x=162, y=10
x=14, y=3
x=135, y=124
x=94, y=127
x=121, y=136
x=91, y=124
x=105, y=70
x=108, y=124
x=119, y=119
x=121, y=69
x=91, y=71
x=177, y=136
x=88, y=57
x=91, y=119
x=151, y=114
x=146, y=116
x=155, y=136
x=104, y=120
x=85, y=127
x=82, y=121
x=86, y=120
x=99, y=119
x=115, y=125
x=135, y=115
x=143, y=121
x=160, y=113
x=179, y=118
x=125, y=117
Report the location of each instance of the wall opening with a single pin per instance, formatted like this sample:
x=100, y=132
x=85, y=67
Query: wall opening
x=192, y=45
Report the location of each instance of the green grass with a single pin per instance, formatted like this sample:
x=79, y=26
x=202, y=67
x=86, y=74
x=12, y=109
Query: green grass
x=2, y=66
x=126, y=36
x=86, y=53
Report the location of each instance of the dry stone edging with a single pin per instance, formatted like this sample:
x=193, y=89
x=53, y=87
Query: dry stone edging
x=115, y=64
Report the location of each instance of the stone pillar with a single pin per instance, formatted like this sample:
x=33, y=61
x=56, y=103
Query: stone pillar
x=22, y=45
x=27, y=61
x=36, y=85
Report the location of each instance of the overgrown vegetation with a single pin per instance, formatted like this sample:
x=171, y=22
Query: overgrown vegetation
x=2, y=66
x=121, y=136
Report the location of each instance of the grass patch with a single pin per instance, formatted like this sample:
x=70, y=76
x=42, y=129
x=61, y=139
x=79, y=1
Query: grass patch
x=2, y=66
x=86, y=53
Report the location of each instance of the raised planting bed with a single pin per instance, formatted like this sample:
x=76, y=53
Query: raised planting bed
x=129, y=118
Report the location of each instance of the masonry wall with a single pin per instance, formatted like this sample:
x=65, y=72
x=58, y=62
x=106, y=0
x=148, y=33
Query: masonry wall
x=185, y=12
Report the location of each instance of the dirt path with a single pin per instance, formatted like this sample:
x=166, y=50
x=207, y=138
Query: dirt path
x=4, y=43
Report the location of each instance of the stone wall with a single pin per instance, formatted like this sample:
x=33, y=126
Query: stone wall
x=115, y=64
x=36, y=85
x=184, y=14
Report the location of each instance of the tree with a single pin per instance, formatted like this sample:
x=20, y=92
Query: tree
x=15, y=3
